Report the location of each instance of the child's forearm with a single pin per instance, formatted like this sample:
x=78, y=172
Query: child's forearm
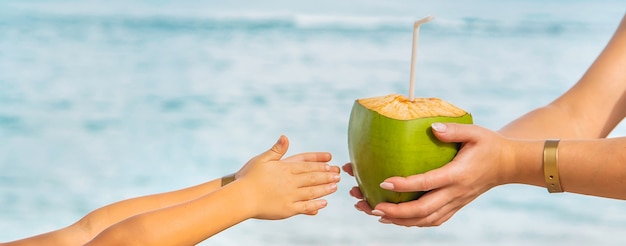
x=187, y=223
x=98, y=220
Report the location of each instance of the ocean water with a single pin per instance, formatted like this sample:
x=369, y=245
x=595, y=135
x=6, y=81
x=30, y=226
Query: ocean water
x=106, y=100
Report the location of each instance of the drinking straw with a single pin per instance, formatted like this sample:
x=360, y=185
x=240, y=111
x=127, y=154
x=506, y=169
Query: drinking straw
x=416, y=30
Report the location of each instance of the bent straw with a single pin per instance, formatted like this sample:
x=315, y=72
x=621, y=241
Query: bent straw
x=416, y=29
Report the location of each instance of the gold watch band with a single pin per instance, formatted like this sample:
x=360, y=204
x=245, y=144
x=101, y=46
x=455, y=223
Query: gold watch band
x=227, y=179
x=550, y=165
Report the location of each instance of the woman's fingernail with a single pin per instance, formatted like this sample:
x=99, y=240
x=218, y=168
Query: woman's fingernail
x=386, y=186
x=439, y=127
x=332, y=187
x=384, y=221
x=357, y=207
x=378, y=212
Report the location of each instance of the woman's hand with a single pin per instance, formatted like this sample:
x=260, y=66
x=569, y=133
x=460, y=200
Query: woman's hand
x=279, y=189
x=484, y=161
x=355, y=192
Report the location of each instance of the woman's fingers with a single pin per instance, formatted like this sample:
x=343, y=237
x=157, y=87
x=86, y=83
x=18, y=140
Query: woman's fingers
x=426, y=205
x=356, y=193
x=420, y=182
x=363, y=206
x=436, y=218
x=432, y=209
x=454, y=132
x=348, y=169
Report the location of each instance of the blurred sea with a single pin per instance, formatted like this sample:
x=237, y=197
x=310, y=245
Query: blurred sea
x=106, y=100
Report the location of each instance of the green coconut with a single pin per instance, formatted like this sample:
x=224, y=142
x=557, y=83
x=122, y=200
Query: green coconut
x=392, y=136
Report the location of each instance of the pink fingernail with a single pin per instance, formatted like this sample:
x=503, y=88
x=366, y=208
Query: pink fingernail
x=439, y=127
x=384, y=221
x=386, y=186
x=378, y=212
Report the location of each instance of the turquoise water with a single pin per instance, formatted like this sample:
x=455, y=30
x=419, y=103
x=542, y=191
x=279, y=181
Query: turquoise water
x=102, y=101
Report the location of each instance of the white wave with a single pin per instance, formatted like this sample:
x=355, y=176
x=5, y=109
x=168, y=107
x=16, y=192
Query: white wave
x=313, y=21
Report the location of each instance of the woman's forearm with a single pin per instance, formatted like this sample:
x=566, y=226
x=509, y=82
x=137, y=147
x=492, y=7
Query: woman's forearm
x=591, y=108
x=545, y=122
x=592, y=167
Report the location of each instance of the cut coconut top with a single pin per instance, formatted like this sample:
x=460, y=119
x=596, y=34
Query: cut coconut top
x=398, y=107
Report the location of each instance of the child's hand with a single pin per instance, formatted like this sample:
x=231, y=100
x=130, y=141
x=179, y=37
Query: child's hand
x=279, y=189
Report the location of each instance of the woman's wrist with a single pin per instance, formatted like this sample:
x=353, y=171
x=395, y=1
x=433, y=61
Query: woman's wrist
x=524, y=161
x=550, y=166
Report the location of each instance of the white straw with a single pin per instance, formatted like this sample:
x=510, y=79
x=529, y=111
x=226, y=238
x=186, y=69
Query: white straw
x=416, y=29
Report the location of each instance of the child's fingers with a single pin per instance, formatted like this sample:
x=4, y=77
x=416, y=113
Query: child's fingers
x=314, y=192
x=335, y=169
x=277, y=151
x=316, y=178
x=312, y=213
x=310, y=156
x=307, y=167
x=309, y=207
